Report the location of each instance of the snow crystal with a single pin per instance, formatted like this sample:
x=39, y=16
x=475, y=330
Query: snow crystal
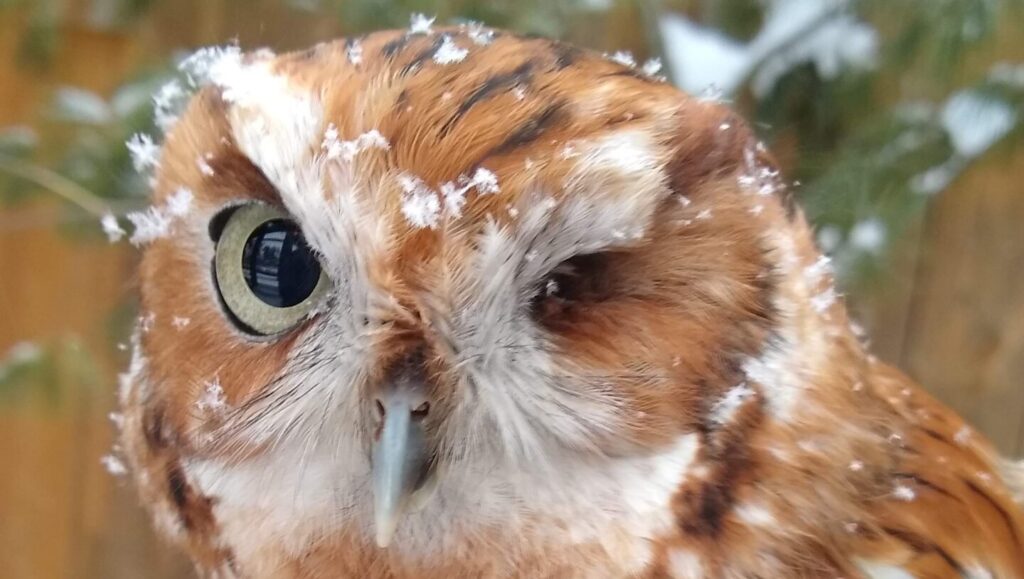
x=485, y=181
x=904, y=493
x=149, y=225
x=454, y=193
x=347, y=150
x=212, y=399
x=180, y=322
x=478, y=34
x=420, y=204
x=704, y=214
x=111, y=228
x=145, y=153
x=823, y=301
x=204, y=167
x=354, y=52
x=201, y=65
x=117, y=419
x=179, y=202
x=975, y=122
x=856, y=465
x=819, y=269
x=420, y=24
x=449, y=52
x=684, y=201
x=624, y=58
x=725, y=409
x=155, y=222
x=963, y=436
x=114, y=465
x=167, y=102
x=651, y=67
x=454, y=198
x=868, y=235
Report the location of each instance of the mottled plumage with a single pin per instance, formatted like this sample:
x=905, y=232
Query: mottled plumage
x=606, y=321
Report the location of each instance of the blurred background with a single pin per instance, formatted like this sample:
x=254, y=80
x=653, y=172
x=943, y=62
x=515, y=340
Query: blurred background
x=898, y=121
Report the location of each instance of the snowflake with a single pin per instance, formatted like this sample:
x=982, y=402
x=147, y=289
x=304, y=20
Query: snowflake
x=904, y=493
x=624, y=58
x=204, y=167
x=114, y=465
x=485, y=181
x=180, y=322
x=112, y=228
x=454, y=198
x=420, y=204
x=420, y=24
x=652, y=67
x=354, y=52
x=449, y=52
x=963, y=436
x=823, y=301
x=149, y=225
x=347, y=150
x=166, y=104
x=212, y=399
x=145, y=153
x=179, y=202
x=478, y=34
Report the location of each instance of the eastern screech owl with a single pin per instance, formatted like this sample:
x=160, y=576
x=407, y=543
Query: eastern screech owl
x=459, y=303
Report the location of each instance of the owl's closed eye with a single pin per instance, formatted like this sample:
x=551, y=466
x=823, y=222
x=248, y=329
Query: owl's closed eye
x=461, y=303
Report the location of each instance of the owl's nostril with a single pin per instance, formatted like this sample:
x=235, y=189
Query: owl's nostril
x=417, y=414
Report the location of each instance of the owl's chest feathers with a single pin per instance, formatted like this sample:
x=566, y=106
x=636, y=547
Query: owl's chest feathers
x=605, y=515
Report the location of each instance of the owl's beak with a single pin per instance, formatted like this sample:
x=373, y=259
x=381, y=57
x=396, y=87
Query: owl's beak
x=401, y=461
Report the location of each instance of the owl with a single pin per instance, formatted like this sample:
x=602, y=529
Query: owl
x=451, y=302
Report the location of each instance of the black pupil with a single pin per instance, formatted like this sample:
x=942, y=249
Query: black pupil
x=278, y=265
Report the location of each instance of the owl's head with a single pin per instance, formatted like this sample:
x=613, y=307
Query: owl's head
x=424, y=281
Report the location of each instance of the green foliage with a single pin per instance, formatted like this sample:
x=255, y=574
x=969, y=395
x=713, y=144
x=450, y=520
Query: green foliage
x=866, y=138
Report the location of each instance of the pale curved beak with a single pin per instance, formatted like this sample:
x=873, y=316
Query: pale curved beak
x=400, y=459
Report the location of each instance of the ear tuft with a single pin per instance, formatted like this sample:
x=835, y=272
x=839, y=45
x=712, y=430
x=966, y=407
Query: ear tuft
x=714, y=142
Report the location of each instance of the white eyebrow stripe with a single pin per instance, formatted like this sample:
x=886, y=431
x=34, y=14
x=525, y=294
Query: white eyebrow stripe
x=608, y=200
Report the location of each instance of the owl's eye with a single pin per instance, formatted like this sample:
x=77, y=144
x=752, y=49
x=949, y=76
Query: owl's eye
x=577, y=282
x=268, y=277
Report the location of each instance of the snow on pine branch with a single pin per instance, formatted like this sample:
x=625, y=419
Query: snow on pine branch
x=822, y=32
x=974, y=123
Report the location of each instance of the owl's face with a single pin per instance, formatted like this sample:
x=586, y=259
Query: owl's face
x=406, y=292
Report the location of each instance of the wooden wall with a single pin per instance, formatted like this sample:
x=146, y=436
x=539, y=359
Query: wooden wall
x=952, y=316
